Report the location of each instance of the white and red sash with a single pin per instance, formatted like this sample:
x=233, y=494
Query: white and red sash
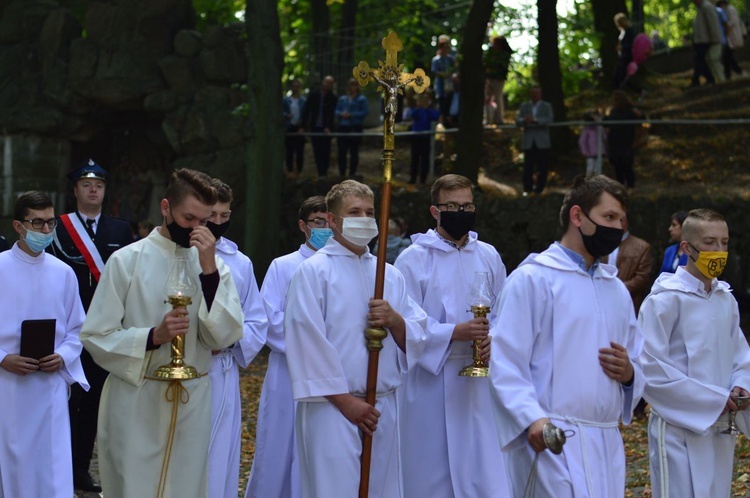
x=83, y=242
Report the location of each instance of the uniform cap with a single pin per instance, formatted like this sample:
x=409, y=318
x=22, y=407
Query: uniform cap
x=88, y=170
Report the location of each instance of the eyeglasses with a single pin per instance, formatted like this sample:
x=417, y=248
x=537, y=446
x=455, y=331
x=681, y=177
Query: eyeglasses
x=317, y=222
x=39, y=223
x=469, y=207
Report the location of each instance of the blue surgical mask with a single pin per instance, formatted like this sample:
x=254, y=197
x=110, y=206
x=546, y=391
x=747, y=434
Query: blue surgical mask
x=319, y=237
x=38, y=241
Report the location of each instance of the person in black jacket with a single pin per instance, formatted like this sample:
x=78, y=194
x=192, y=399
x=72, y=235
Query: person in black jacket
x=621, y=138
x=624, y=48
x=85, y=239
x=317, y=117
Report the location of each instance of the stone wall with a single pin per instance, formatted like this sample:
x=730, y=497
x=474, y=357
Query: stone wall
x=130, y=84
x=517, y=226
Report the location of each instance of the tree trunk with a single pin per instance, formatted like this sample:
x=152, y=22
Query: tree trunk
x=346, y=44
x=550, y=76
x=265, y=132
x=607, y=32
x=636, y=17
x=321, y=56
x=470, y=134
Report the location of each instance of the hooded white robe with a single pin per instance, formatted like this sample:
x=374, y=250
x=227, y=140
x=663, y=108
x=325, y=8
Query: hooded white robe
x=226, y=404
x=134, y=415
x=275, y=471
x=553, y=319
x=694, y=354
x=324, y=324
x=449, y=441
x=35, y=454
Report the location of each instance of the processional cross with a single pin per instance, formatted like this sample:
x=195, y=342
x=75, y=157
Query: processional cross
x=391, y=79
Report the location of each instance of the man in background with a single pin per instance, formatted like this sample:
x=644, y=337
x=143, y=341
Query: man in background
x=85, y=239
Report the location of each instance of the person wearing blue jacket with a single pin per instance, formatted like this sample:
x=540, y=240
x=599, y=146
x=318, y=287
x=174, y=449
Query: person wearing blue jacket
x=351, y=111
x=422, y=118
x=673, y=256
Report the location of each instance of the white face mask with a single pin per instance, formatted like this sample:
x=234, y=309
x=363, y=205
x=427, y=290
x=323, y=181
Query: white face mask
x=359, y=230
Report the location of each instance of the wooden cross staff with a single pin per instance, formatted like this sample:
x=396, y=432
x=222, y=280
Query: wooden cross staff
x=391, y=79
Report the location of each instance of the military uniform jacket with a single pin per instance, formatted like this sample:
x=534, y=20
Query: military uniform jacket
x=111, y=234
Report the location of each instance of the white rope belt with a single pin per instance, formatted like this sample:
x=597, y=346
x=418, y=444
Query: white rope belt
x=580, y=424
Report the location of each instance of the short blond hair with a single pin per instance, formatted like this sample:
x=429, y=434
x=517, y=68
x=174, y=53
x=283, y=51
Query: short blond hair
x=353, y=188
x=690, y=227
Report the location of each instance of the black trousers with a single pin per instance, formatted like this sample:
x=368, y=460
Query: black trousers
x=295, y=149
x=350, y=146
x=420, y=158
x=539, y=158
x=83, y=408
x=730, y=63
x=623, y=163
x=700, y=66
x=322, y=152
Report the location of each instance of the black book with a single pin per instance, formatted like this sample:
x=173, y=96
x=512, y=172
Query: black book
x=37, y=338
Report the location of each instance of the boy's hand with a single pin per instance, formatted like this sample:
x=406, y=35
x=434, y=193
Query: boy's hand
x=357, y=411
x=616, y=363
x=19, y=365
x=474, y=329
x=175, y=322
x=51, y=363
x=382, y=315
x=536, y=434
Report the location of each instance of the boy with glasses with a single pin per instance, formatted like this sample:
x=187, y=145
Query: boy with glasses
x=34, y=424
x=450, y=442
x=275, y=470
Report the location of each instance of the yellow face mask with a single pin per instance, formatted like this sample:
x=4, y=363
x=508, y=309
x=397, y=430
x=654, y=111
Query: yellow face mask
x=710, y=263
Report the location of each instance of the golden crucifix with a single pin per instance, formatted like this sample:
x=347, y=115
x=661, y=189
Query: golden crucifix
x=391, y=80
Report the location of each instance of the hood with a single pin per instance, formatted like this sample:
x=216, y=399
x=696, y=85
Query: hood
x=556, y=258
x=682, y=281
x=226, y=246
x=334, y=248
x=433, y=240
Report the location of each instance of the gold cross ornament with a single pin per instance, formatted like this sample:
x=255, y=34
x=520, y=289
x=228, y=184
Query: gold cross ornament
x=391, y=79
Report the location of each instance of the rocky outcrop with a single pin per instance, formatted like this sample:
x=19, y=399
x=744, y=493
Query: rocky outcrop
x=130, y=81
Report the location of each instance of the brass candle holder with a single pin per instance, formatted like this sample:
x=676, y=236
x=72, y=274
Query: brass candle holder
x=479, y=300
x=478, y=368
x=179, y=288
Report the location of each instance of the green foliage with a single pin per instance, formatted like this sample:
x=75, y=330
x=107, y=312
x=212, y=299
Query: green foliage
x=211, y=12
x=418, y=23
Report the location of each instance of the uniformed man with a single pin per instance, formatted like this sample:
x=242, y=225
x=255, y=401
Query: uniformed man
x=85, y=239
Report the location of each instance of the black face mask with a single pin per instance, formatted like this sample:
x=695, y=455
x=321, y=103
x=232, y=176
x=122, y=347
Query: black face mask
x=603, y=241
x=457, y=223
x=217, y=229
x=179, y=235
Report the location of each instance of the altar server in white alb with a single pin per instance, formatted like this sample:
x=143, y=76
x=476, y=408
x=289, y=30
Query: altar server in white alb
x=449, y=440
x=275, y=470
x=695, y=361
x=564, y=351
x=128, y=331
x=35, y=457
x=226, y=412
x=328, y=307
